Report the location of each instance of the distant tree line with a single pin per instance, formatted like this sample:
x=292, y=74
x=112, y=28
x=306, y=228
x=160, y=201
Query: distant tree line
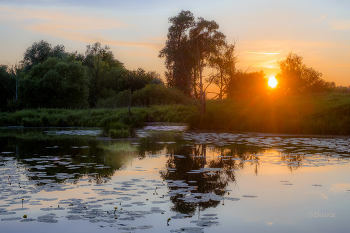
x=342, y=89
x=50, y=77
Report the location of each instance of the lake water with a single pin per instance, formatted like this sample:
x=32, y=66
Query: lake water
x=171, y=180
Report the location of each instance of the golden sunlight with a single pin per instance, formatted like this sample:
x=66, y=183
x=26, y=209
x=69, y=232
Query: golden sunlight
x=272, y=82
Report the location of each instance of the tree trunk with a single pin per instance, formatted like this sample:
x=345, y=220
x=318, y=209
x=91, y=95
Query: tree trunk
x=201, y=94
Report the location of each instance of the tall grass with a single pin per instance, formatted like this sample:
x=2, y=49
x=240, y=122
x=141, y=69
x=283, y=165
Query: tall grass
x=116, y=119
x=307, y=114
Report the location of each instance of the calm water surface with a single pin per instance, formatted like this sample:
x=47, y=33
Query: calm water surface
x=173, y=181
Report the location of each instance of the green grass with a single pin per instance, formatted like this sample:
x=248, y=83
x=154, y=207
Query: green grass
x=305, y=114
x=117, y=123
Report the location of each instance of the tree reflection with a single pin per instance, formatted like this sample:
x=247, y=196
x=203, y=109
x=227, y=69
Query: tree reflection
x=59, y=159
x=194, y=158
x=205, y=173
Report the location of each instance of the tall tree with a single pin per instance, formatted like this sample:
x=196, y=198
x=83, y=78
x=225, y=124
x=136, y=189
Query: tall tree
x=205, y=42
x=176, y=52
x=188, y=50
x=40, y=52
x=99, y=60
x=225, y=64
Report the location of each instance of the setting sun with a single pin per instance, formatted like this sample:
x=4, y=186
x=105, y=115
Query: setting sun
x=272, y=82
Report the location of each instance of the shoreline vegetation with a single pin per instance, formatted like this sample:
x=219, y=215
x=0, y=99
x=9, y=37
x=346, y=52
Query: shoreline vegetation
x=322, y=114
x=51, y=87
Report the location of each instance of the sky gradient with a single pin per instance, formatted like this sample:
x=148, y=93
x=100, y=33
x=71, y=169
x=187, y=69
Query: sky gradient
x=265, y=31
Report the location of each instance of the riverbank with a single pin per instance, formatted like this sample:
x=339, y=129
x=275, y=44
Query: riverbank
x=326, y=114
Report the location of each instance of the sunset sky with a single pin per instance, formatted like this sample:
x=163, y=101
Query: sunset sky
x=265, y=31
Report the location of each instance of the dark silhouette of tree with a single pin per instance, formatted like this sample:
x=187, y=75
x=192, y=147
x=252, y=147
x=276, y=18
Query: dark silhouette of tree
x=224, y=61
x=188, y=50
x=176, y=56
x=196, y=159
x=247, y=85
x=295, y=77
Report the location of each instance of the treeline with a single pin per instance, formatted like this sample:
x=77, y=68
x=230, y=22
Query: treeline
x=50, y=77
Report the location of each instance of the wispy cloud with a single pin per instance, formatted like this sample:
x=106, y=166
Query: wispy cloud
x=93, y=37
x=340, y=187
x=322, y=18
x=323, y=195
x=55, y=19
x=70, y=26
x=340, y=25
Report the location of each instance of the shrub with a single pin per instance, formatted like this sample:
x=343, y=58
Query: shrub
x=119, y=133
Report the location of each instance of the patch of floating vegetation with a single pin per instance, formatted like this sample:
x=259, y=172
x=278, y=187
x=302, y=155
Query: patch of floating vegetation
x=49, y=218
x=122, y=204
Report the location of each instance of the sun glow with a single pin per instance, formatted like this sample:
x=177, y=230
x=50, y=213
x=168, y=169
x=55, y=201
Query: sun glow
x=272, y=82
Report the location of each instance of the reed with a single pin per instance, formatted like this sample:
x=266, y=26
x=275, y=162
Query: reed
x=304, y=114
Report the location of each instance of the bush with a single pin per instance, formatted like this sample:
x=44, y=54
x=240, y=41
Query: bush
x=31, y=122
x=119, y=133
x=157, y=94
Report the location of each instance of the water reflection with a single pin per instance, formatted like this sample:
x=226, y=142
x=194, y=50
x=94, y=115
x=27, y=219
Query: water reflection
x=61, y=159
x=200, y=175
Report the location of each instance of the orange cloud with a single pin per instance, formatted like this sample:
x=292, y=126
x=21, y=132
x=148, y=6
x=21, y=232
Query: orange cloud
x=70, y=26
x=323, y=17
x=340, y=25
x=340, y=187
x=57, y=20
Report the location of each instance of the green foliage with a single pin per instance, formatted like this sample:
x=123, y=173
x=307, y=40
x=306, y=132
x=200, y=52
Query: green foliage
x=120, y=100
x=106, y=118
x=176, y=56
x=155, y=94
x=109, y=80
x=302, y=114
x=119, y=133
x=100, y=63
x=118, y=129
x=7, y=87
x=188, y=50
x=54, y=84
x=39, y=52
x=31, y=122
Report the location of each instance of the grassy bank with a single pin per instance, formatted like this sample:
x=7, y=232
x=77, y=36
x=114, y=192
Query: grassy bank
x=316, y=114
x=116, y=122
x=308, y=114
